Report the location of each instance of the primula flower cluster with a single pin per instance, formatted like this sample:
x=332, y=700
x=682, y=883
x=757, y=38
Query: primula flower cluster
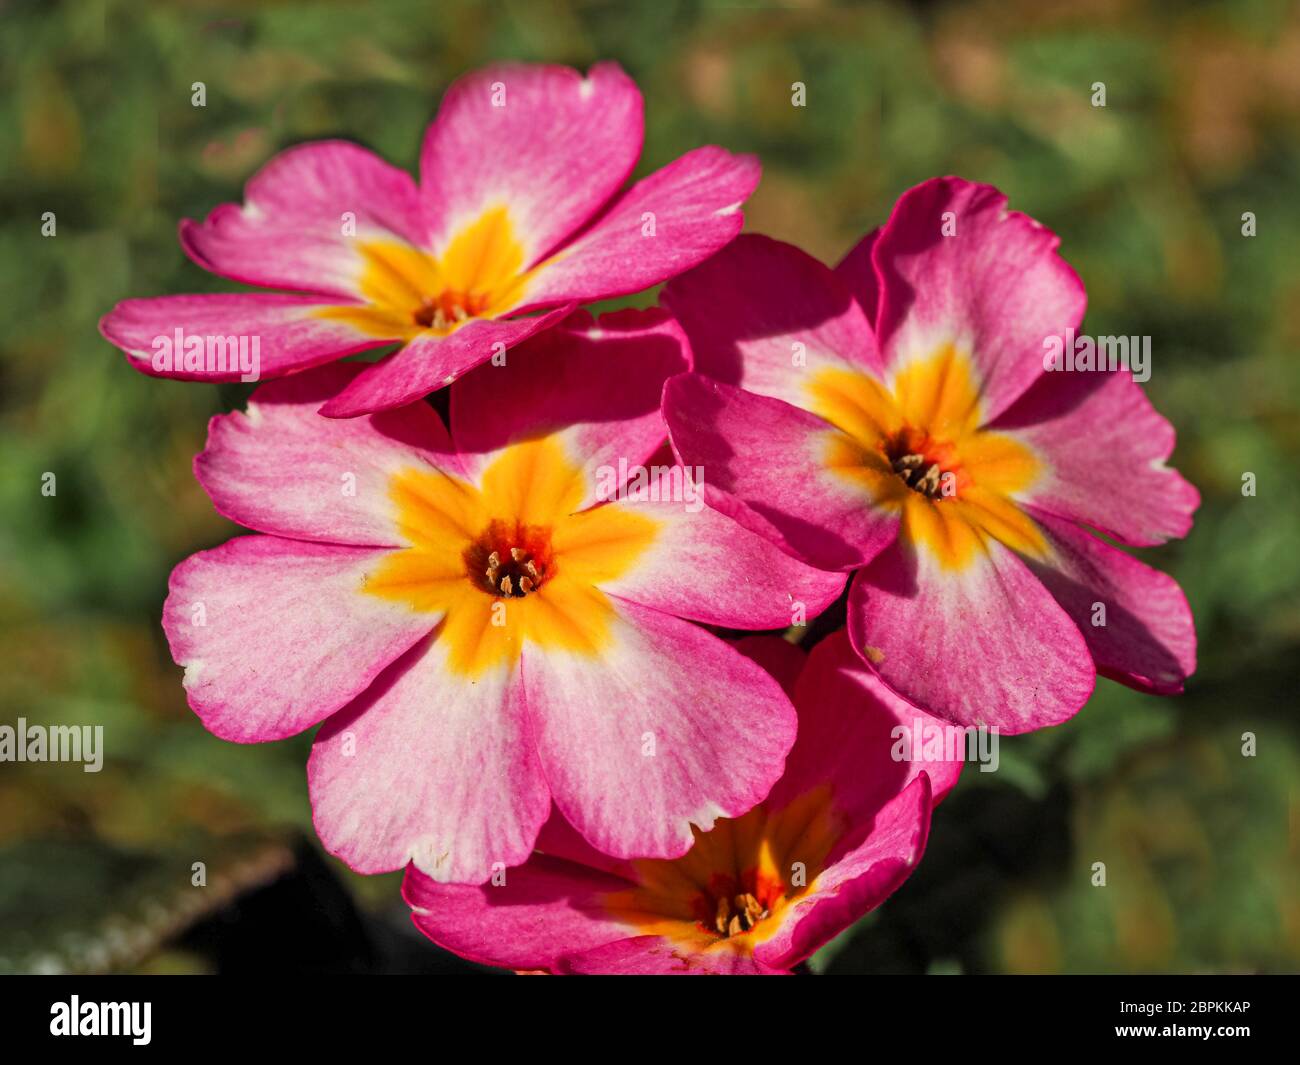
x=515, y=625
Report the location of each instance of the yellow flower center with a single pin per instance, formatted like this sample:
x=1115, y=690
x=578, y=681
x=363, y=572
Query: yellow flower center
x=918, y=448
x=480, y=274
x=509, y=560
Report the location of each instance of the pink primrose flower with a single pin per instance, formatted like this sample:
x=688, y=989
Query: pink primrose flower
x=520, y=208
x=486, y=619
x=900, y=417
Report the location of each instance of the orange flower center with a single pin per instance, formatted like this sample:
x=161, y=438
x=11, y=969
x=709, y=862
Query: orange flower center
x=736, y=884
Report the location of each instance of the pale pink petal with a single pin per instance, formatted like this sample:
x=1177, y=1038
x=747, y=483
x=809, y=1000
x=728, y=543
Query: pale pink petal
x=286, y=333
x=304, y=215
x=639, y=742
x=765, y=465
x=548, y=144
x=857, y=883
x=704, y=566
x=984, y=645
x=768, y=317
x=662, y=225
x=430, y=362
x=1145, y=637
x=282, y=468
x=276, y=635
x=1104, y=448
x=595, y=384
x=994, y=287
x=431, y=768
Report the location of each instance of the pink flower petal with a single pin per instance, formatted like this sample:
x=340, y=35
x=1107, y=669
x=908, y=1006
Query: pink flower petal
x=703, y=566
x=660, y=956
x=550, y=145
x=1148, y=640
x=547, y=909
x=290, y=233
x=552, y=914
x=765, y=466
x=639, y=744
x=275, y=635
x=664, y=224
x=767, y=317
x=857, y=270
x=596, y=383
x=289, y=332
x=995, y=287
x=282, y=468
x=780, y=658
x=985, y=645
x=1105, y=447
x=560, y=839
x=847, y=718
x=857, y=883
x=430, y=362
x=427, y=768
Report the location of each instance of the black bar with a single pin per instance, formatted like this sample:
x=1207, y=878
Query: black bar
x=443, y=1014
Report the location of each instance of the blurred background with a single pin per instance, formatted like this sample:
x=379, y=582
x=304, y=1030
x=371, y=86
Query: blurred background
x=1201, y=124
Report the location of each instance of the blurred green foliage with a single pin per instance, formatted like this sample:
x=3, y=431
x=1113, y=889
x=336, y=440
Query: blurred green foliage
x=1201, y=844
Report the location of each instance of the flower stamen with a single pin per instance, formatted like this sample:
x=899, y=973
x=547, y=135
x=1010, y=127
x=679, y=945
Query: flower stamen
x=504, y=569
x=738, y=915
x=918, y=476
x=450, y=308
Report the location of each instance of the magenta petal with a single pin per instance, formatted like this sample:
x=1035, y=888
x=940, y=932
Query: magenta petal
x=857, y=883
x=985, y=645
x=560, y=839
x=764, y=465
x=546, y=909
x=633, y=782
x=766, y=316
x=847, y=720
x=857, y=270
x=780, y=658
x=276, y=635
x=956, y=267
x=1148, y=639
x=660, y=956
x=662, y=225
x=1104, y=447
x=430, y=362
x=595, y=384
x=428, y=769
x=290, y=233
x=545, y=141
